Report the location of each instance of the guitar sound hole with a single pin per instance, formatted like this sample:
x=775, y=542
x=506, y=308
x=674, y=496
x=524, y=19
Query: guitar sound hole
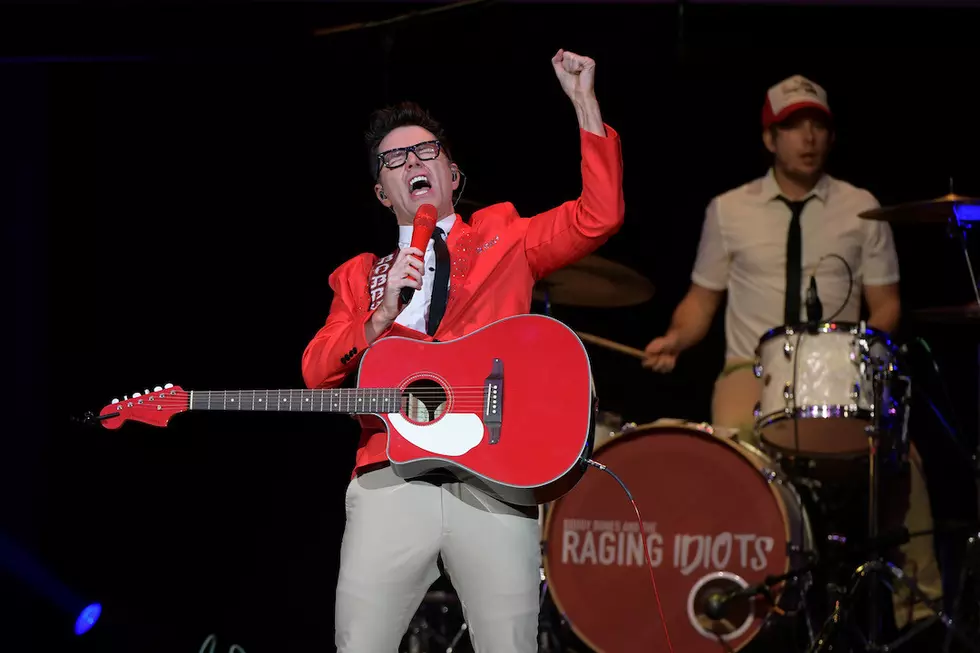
x=423, y=401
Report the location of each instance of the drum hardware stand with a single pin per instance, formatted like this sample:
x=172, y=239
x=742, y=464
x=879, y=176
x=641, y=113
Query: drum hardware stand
x=802, y=576
x=425, y=631
x=957, y=226
x=826, y=638
x=875, y=567
x=717, y=605
x=422, y=635
x=547, y=639
x=715, y=608
x=969, y=572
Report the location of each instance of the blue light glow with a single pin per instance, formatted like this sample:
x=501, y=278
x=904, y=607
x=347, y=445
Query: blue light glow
x=87, y=618
x=967, y=212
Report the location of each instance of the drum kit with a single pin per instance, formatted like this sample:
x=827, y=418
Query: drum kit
x=725, y=525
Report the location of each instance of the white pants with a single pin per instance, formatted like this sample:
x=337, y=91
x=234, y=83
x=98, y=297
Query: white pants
x=396, y=530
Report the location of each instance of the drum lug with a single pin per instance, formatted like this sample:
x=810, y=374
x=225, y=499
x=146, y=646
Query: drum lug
x=856, y=391
x=788, y=392
x=757, y=370
x=860, y=350
x=769, y=475
x=788, y=349
x=757, y=410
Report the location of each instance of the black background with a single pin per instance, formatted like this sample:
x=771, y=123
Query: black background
x=180, y=180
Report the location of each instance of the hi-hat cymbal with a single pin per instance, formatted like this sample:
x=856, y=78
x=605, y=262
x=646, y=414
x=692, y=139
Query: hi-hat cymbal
x=597, y=282
x=941, y=209
x=966, y=314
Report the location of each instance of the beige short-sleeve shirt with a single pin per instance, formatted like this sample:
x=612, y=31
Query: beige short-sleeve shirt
x=743, y=251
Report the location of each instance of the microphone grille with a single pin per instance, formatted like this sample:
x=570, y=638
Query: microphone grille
x=426, y=216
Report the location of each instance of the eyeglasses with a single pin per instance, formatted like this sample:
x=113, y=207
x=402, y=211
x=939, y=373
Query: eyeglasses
x=397, y=157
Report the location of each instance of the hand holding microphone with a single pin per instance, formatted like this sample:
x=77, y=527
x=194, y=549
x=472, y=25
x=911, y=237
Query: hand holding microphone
x=405, y=276
x=422, y=228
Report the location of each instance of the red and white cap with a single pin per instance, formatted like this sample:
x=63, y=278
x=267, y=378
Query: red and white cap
x=792, y=94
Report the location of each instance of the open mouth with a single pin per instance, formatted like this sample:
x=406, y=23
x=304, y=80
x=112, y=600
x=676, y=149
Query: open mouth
x=419, y=185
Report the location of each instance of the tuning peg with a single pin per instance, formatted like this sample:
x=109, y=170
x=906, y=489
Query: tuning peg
x=146, y=392
x=115, y=401
x=169, y=385
x=136, y=394
x=157, y=389
x=125, y=397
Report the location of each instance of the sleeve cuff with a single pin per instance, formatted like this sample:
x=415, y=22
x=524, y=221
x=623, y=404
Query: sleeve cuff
x=710, y=285
x=360, y=343
x=611, y=134
x=883, y=281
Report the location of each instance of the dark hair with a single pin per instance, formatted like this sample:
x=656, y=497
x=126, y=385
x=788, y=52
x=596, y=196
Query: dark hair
x=403, y=114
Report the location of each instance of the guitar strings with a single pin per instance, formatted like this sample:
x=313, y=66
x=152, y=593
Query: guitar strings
x=457, y=402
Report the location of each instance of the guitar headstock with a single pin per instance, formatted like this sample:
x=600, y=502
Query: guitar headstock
x=154, y=407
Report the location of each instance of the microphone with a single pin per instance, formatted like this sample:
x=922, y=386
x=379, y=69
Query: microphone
x=717, y=603
x=422, y=227
x=814, y=309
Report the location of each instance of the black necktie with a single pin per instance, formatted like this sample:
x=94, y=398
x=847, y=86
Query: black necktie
x=794, y=262
x=440, y=291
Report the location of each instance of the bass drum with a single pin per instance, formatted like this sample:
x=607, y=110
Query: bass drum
x=717, y=517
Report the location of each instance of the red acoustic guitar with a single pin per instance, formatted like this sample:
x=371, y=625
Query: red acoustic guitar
x=509, y=408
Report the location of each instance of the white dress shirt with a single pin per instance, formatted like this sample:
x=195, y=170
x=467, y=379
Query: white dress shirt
x=743, y=251
x=416, y=314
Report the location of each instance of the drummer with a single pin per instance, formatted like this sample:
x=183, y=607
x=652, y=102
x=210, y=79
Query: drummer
x=771, y=234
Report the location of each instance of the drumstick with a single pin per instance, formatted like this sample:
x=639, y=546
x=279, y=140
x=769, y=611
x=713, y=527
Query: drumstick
x=623, y=349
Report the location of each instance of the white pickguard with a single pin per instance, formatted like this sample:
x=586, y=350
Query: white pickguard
x=453, y=435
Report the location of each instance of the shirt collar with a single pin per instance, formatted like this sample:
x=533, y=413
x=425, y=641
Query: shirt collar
x=405, y=231
x=770, y=188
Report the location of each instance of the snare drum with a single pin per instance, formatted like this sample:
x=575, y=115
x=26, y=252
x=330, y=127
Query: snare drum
x=717, y=517
x=826, y=381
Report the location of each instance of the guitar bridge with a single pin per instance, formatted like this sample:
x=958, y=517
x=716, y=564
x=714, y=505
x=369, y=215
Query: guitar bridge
x=493, y=400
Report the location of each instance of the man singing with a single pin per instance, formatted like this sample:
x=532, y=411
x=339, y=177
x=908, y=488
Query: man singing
x=757, y=241
x=470, y=275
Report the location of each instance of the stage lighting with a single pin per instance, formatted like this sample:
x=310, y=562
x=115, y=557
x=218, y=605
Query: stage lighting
x=87, y=618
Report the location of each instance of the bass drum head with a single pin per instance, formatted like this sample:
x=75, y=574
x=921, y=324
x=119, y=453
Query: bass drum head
x=712, y=522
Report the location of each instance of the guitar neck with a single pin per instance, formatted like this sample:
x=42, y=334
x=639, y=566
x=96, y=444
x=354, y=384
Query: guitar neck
x=335, y=400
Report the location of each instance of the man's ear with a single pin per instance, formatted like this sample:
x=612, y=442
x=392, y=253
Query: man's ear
x=454, y=170
x=379, y=192
x=769, y=140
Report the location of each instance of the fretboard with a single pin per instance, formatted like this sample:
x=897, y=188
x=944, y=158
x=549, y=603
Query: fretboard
x=339, y=400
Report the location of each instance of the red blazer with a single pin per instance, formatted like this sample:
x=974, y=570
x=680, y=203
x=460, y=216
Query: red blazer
x=496, y=259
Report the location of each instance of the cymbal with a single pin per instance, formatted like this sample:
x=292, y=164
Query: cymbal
x=966, y=314
x=941, y=209
x=597, y=282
